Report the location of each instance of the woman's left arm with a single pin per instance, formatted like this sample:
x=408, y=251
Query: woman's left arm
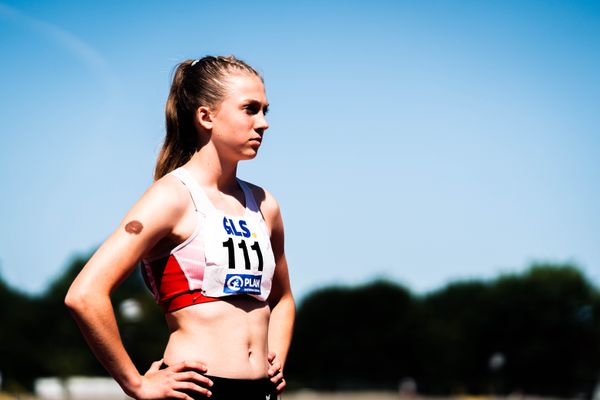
x=281, y=299
x=282, y=313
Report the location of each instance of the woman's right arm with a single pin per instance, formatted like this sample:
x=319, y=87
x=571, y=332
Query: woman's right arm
x=152, y=218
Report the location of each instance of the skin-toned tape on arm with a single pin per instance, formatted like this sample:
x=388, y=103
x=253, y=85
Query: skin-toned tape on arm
x=134, y=227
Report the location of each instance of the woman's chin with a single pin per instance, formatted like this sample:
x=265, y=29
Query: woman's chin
x=249, y=155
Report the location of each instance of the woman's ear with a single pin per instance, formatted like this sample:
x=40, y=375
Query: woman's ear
x=204, y=117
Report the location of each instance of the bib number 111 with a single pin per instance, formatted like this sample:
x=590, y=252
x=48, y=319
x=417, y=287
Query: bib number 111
x=242, y=245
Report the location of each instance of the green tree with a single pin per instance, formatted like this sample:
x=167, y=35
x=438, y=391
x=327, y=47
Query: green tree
x=547, y=324
x=17, y=363
x=354, y=337
x=452, y=351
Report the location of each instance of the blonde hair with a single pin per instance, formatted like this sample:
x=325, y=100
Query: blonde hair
x=195, y=83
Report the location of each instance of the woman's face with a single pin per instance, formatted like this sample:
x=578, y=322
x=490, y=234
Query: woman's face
x=239, y=122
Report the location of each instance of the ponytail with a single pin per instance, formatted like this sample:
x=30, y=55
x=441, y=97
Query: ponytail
x=180, y=139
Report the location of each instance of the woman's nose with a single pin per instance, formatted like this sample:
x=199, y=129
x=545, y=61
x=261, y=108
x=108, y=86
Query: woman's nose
x=261, y=123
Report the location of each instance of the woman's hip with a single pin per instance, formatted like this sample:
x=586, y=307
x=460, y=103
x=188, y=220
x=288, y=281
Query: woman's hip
x=236, y=389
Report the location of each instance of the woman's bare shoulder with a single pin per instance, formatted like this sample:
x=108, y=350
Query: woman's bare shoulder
x=164, y=201
x=169, y=189
x=268, y=204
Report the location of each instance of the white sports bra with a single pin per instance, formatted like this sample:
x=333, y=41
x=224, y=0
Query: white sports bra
x=226, y=255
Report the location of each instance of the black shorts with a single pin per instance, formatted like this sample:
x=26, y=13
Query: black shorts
x=236, y=389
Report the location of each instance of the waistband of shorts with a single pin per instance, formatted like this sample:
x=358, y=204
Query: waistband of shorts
x=228, y=380
x=234, y=384
x=240, y=384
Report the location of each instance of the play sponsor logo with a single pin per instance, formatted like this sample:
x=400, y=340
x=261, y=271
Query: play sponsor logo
x=241, y=283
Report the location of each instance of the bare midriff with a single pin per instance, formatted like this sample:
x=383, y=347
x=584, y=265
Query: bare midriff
x=228, y=336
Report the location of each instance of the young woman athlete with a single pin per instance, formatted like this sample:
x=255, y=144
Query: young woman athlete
x=211, y=247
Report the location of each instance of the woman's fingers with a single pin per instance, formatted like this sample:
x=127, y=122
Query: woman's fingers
x=173, y=394
x=187, y=378
x=155, y=366
x=190, y=386
x=193, y=376
x=275, y=373
x=280, y=386
x=187, y=365
x=274, y=369
x=276, y=377
x=178, y=381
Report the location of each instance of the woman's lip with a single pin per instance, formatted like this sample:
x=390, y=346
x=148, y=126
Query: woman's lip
x=255, y=143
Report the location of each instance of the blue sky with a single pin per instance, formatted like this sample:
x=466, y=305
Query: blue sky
x=423, y=141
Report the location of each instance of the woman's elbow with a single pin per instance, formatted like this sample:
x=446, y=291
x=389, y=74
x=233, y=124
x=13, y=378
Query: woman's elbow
x=74, y=298
x=78, y=298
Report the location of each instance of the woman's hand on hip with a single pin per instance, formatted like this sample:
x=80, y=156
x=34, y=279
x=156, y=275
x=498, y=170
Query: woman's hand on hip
x=275, y=372
x=171, y=382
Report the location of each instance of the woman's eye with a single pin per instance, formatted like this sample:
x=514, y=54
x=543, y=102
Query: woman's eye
x=254, y=109
x=251, y=109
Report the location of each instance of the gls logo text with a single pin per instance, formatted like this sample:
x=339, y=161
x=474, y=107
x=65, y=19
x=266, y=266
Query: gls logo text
x=231, y=229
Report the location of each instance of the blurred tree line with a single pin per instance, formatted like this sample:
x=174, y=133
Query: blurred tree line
x=537, y=332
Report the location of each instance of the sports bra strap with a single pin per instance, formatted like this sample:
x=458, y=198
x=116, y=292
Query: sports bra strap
x=250, y=202
x=201, y=203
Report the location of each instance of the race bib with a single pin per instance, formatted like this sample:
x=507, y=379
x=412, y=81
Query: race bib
x=239, y=259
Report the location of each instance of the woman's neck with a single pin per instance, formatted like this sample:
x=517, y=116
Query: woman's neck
x=213, y=171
